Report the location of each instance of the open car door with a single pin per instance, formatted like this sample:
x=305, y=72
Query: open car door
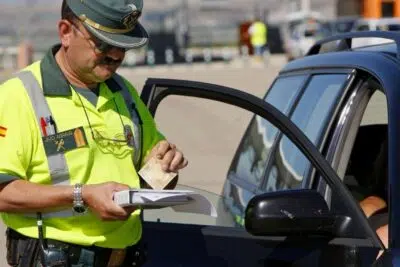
x=275, y=236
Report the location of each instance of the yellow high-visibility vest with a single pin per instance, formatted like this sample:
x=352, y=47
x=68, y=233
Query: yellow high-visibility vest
x=258, y=34
x=89, y=160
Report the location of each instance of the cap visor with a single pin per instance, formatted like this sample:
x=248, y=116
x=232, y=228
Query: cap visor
x=134, y=39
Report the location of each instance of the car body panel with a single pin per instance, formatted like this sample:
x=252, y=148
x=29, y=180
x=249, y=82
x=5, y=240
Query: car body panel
x=225, y=246
x=193, y=245
x=384, y=67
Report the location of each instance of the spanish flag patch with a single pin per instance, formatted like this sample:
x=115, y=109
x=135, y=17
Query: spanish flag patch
x=3, y=131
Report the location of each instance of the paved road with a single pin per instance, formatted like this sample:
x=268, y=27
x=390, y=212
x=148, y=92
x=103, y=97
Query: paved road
x=207, y=132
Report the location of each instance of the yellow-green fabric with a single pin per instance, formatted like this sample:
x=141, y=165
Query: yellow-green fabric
x=258, y=34
x=23, y=156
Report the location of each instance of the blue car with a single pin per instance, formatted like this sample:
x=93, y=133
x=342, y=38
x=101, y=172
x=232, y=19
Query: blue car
x=306, y=160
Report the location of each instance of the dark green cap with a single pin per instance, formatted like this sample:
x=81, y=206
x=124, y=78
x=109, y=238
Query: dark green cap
x=112, y=21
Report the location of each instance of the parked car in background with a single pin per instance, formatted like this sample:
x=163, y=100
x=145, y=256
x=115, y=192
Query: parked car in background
x=302, y=38
x=381, y=24
x=338, y=25
x=292, y=192
x=293, y=29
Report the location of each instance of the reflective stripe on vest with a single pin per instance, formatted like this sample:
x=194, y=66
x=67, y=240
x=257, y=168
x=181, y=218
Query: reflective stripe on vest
x=58, y=167
x=57, y=164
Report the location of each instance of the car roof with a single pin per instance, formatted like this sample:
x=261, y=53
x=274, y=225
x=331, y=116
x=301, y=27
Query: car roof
x=379, y=60
x=378, y=20
x=360, y=56
x=387, y=48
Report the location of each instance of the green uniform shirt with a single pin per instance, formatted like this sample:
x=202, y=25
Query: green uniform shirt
x=23, y=154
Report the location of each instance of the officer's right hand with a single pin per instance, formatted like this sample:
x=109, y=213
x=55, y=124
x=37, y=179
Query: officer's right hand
x=99, y=199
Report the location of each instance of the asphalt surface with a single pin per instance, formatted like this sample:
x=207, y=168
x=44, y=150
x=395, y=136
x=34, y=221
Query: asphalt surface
x=208, y=132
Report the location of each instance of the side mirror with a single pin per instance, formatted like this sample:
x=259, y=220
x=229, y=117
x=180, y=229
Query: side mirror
x=294, y=213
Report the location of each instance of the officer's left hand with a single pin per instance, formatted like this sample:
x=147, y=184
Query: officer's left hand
x=172, y=160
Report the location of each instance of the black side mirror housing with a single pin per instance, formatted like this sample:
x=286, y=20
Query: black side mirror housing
x=294, y=213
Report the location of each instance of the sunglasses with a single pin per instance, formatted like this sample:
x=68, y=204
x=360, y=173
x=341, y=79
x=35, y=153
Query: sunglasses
x=98, y=137
x=99, y=46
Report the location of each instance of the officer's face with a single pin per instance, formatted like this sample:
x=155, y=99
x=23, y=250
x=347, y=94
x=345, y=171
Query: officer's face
x=92, y=60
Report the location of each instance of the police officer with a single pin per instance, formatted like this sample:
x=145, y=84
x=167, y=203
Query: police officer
x=258, y=36
x=73, y=132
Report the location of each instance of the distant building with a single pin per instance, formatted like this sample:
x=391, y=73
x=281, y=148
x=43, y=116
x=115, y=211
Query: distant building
x=369, y=8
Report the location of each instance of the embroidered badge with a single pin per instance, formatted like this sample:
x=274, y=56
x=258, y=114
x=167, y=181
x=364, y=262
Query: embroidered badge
x=3, y=131
x=64, y=141
x=79, y=137
x=132, y=18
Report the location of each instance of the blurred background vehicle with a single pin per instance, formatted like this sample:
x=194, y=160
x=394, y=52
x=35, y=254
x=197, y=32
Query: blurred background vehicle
x=375, y=24
x=339, y=25
x=379, y=24
x=298, y=30
x=302, y=37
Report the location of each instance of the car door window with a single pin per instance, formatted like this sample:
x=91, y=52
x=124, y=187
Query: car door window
x=311, y=115
x=252, y=155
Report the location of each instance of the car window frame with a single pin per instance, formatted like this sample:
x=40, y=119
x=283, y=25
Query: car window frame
x=363, y=92
x=247, y=185
x=310, y=73
x=329, y=128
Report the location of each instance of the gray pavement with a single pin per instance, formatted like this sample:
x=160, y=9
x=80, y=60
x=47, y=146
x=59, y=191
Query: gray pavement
x=207, y=132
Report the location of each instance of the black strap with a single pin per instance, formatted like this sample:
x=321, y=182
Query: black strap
x=21, y=250
x=379, y=218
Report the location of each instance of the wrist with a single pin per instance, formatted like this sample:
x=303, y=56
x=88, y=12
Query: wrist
x=67, y=195
x=78, y=204
x=85, y=193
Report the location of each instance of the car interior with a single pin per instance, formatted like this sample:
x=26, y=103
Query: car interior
x=367, y=169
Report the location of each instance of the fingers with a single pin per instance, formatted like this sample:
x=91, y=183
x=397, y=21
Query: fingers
x=130, y=210
x=114, y=213
x=178, y=162
x=173, y=161
x=171, y=158
x=162, y=148
x=99, y=198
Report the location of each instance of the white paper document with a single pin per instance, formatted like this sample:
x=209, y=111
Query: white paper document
x=178, y=200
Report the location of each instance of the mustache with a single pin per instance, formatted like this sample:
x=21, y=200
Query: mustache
x=109, y=61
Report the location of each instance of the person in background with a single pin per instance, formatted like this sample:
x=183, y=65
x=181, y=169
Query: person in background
x=258, y=37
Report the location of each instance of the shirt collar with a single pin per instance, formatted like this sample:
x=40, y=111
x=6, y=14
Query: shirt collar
x=54, y=81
